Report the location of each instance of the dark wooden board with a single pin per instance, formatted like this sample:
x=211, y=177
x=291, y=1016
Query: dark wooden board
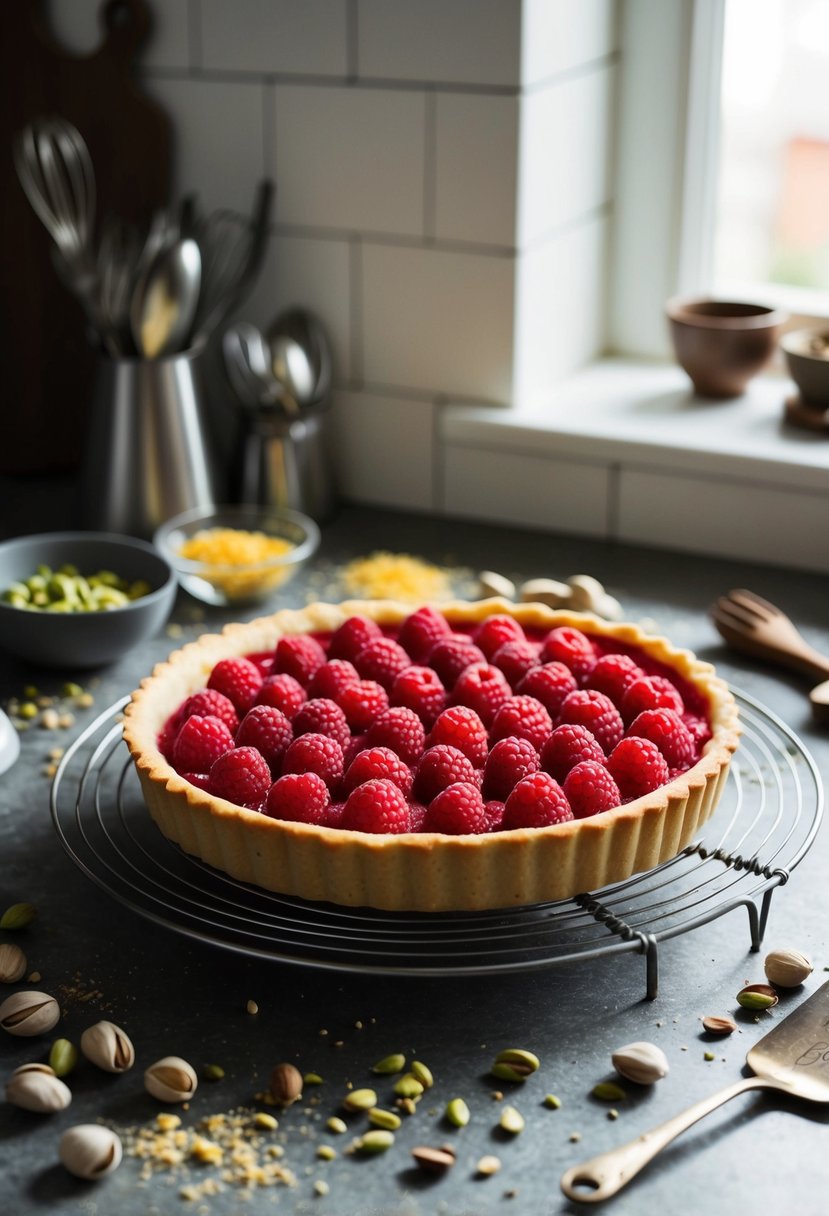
x=47, y=360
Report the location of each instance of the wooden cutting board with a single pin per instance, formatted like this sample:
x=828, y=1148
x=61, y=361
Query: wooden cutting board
x=48, y=362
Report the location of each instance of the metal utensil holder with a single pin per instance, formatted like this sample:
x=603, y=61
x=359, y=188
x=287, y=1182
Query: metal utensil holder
x=284, y=462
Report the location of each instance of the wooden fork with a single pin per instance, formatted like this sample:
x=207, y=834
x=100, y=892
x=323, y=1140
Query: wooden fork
x=754, y=626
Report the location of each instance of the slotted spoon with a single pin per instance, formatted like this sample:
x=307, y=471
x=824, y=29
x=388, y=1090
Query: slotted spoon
x=755, y=627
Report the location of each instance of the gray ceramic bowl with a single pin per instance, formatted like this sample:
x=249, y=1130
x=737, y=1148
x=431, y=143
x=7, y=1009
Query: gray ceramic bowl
x=83, y=639
x=807, y=356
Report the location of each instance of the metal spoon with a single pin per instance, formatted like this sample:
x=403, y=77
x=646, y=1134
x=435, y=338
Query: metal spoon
x=291, y=367
x=302, y=328
x=165, y=300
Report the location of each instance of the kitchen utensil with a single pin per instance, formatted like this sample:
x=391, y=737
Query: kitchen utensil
x=755, y=627
x=165, y=300
x=147, y=456
x=233, y=248
x=118, y=258
x=304, y=328
x=791, y=1059
x=247, y=363
x=291, y=368
x=283, y=462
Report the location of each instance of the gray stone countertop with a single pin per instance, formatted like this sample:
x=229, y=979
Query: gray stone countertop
x=185, y=997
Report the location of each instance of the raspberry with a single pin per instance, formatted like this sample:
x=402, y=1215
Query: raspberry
x=299, y=797
x=523, y=717
x=419, y=688
x=452, y=656
x=315, y=754
x=362, y=703
x=597, y=712
x=382, y=660
x=637, y=766
x=570, y=647
x=566, y=747
x=417, y=813
x=269, y=731
x=333, y=815
x=282, y=692
x=536, y=802
x=300, y=656
x=508, y=763
x=199, y=743
x=613, y=674
x=461, y=727
x=377, y=762
x=457, y=811
x=421, y=631
x=332, y=678
x=550, y=684
x=399, y=729
x=376, y=806
x=200, y=780
x=589, y=788
x=241, y=776
x=515, y=659
x=352, y=636
x=699, y=729
x=484, y=689
x=650, y=692
x=494, y=812
x=167, y=735
x=322, y=717
x=492, y=633
x=210, y=702
x=239, y=680
x=440, y=767
x=665, y=728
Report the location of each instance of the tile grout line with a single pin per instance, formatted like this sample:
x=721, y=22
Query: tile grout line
x=430, y=168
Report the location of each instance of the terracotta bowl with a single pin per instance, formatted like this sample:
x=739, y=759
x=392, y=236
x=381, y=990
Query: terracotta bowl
x=807, y=356
x=722, y=344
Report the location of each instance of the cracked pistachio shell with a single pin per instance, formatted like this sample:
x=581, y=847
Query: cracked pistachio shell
x=107, y=1046
x=643, y=1063
x=90, y=1151
x=171, y=1080
x=35, y=1087
x=12, y=963
x=29, y=1013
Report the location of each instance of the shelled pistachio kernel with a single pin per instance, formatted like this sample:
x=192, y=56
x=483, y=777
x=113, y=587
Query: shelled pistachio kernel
x=265, y=1121
x=422, y=1074
x=63, y=1057
x=312, y=1078
x=387, y=1119
x=18, y=916
x=511, y=1120
x=757, y=996
x=389, y=1065
x=213, y=1072
x=326, y=1153
x=787, y=968
x=12, y=963
x=715, y=1025
x=433, y=1160
x=336, y=1125
x=360, y=1099
x=608, y=1091
x=457, y=1112
x=552, y=1102
x=408, y=1086
x=378, y=1140
x=514, y=1064
x=488, y=1165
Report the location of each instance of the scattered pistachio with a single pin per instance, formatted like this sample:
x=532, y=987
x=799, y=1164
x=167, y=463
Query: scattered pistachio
x=757, y=996
x=360, y=1099
x=108, y=1047
x=321, y=1187
x=34, y=978
x=29, y=1013
x=552, y=1102
x=514, y=1064
x=27, y=711
x=50, y=719
x=35, y=1087
x=407, y=1105
x=384, y=1118
x=12, y=963
x=585, y=592
x=326, y=1153
x=90, y=1151
x=709, y=1055
x=716, y=1025
x=511, y=1120
x=18, y=916
x=286, y=1084
x=313, y=1078
x=213, y=1072
x=336, y=1125
x=787, y=968
x=170, y=1080
x=457, y=1112
x=389, y=1064
x=493, y=583
x=408, y=1086
x=252, y=1008
x=643, y=1063
x=433, y=1160
x=265, y=1121
x=63, y=1057
x=488, y=1165
x=378, y=1140
x=608, y=1091
x=545, y=591
x=422, y=1074
x=613, y=1113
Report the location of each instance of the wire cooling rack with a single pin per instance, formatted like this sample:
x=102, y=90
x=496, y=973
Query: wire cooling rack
x=767, y=819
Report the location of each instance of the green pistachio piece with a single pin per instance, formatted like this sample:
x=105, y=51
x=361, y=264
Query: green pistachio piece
x=18, y=916
x=384, y=1118
x=608, y=1091
x=408, y=1086
x=375, y=1141
x=457, y=1112
x=757, y=997
x=63, y=1057
x=422, y=1074
x=360, y=1099
x=389, y=1064
x=552, y=1102
x=511, y=1120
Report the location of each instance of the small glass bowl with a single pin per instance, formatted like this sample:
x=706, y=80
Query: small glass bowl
x=223, y=581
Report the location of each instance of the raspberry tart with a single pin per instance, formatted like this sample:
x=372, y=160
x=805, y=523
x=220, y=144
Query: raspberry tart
x=479, y=755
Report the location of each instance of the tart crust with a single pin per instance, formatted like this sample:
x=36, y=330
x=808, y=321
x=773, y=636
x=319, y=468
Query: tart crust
x=425, y=872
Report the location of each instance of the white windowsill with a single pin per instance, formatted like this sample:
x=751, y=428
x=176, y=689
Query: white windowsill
x=644, y=415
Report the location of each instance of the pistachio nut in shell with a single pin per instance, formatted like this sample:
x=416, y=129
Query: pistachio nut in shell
x=90, y=1151
x=29, y=1013
x=108, y=1047
x=643, y=1063
x=12, y=963
x=787, y=968
x=757, y=997
x=35, y=1087
x=171, y=1080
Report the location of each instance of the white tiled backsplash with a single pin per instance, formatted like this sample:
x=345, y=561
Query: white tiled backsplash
x=444, y=204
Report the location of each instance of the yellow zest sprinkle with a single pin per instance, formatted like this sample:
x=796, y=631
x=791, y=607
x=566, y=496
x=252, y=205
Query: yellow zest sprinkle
x=395, y=576
x=238, y=562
